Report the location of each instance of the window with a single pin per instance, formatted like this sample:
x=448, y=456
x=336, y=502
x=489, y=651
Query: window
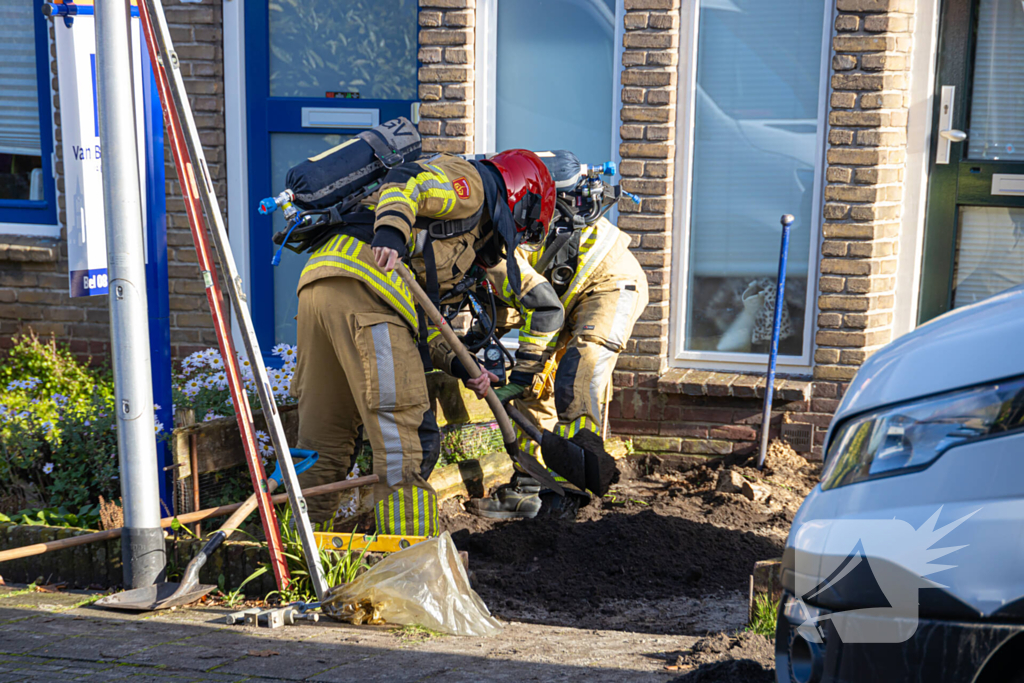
x=27, y=201
x=752, y=150
x=547, y=87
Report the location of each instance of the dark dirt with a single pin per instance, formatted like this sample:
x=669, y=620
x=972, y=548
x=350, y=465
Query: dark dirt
x=662, y=533
x=745, y=658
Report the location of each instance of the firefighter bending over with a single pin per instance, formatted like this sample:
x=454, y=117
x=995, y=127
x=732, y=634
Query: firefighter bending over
x=358, y=359
x=603, y=289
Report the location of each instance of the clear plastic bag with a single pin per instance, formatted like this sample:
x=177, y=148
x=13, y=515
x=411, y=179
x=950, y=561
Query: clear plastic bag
x=425, y=584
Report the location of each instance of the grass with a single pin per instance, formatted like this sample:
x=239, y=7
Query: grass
x=765, y=611
x=415, y=631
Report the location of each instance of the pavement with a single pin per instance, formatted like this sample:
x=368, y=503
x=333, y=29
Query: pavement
x=57, y=637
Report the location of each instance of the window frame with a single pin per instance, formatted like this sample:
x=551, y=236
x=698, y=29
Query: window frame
x=678, y=355
x=24, y=216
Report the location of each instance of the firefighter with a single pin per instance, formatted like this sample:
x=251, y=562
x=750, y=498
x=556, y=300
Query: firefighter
x=358, y=359
x=603, y=295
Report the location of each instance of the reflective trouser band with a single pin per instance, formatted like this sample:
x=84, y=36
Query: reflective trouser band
x=571, y=429
x=410, y=511
x=342, y=252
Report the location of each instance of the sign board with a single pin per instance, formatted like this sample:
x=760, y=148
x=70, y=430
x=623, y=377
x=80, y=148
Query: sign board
x=83, y=150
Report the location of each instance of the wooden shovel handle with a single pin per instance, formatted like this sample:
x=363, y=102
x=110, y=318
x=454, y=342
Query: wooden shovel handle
x=508, y=434
x=187, y=518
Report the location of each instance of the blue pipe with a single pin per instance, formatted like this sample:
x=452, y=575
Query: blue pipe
x=773, y=353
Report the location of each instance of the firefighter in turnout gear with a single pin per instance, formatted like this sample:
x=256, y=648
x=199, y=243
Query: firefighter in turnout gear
x=359, y=364
x=603, y=291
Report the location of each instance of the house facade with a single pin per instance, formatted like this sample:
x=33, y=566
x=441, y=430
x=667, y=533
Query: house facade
x=891, y=129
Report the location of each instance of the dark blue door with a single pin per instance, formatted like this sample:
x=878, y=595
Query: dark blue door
x=317, y=72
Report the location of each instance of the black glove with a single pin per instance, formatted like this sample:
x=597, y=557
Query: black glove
x=391, y=238
x=459, y=371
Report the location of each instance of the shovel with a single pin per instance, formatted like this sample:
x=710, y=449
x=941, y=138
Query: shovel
x=508, y=434
x=584, y=462
x=168, y=594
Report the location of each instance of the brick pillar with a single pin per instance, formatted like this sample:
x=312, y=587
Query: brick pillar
x=446, y=77
x=649, y=75
x=864, y=183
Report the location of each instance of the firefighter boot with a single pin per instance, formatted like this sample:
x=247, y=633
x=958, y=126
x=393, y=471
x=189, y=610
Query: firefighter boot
x=518, y=499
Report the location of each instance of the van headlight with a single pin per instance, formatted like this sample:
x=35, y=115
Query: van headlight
x=910, y=436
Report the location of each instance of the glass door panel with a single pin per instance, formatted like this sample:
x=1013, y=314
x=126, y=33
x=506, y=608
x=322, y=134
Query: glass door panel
x=975, y=212
x=996, y=129
x=364, y=49
x=317, y=72
x=287, y=150
x=990, y=253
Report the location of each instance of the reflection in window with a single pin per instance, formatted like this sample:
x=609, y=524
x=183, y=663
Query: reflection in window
x=21, y=163
x=754, y=159
x=362, y=48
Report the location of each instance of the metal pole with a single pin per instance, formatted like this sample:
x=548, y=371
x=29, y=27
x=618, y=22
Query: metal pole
x=142, y=544
x=773, y=353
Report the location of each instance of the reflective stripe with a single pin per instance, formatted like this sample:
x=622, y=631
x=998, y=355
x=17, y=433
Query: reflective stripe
x=602, y=367
x=573, y=428
x=387, y=397
x=623, y=311
x=593, y=248
x=343, y=252
x=419, y=520
x=433, y=183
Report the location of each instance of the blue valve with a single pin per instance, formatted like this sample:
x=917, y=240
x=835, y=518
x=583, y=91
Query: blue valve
x=268, y=206
x=608, y=168
x=635, y=198
x=67, y=9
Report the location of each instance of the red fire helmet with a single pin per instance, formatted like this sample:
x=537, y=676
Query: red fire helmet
x=531, y=191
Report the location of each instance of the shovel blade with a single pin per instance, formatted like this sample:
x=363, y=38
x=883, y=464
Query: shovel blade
x=155, y=597
x=582, y=460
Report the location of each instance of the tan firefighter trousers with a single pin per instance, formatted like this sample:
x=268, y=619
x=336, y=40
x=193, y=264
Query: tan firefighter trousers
x=358, y=365
x=598, y=325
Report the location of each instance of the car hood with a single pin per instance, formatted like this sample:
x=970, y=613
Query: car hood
x=968, y=346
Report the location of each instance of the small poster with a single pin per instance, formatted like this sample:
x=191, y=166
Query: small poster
x=83, y=150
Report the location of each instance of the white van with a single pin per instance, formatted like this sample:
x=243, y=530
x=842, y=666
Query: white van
x=906, y=562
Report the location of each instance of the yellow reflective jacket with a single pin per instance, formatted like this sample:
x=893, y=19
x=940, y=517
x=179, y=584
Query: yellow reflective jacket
x=448, y=188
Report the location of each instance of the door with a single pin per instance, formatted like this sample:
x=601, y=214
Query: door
x=974, y=234
x=317, y=72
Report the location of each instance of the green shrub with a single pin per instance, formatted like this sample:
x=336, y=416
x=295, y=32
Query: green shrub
x=58, y=444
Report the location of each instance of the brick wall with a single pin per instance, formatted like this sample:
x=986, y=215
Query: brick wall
x=446, y=75
x=864, y=183
x=649, y=75
x=196, y=30
x=33, y=272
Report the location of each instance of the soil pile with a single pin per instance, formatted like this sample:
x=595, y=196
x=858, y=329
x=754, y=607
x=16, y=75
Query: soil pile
x=665, y=534
x=573, y=565
x=744, y=658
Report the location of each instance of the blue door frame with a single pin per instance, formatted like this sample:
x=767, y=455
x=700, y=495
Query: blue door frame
x=266, y=115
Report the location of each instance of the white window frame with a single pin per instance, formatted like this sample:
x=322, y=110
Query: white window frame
x=47, y=230
x=719, y=360
x=486, y=51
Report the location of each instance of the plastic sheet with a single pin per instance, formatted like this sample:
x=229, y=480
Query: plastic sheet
x=425, y=584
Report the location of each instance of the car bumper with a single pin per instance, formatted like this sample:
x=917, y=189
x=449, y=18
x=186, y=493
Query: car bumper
x=951, y=651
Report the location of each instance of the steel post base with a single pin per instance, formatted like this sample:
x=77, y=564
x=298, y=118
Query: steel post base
x=143, y=557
